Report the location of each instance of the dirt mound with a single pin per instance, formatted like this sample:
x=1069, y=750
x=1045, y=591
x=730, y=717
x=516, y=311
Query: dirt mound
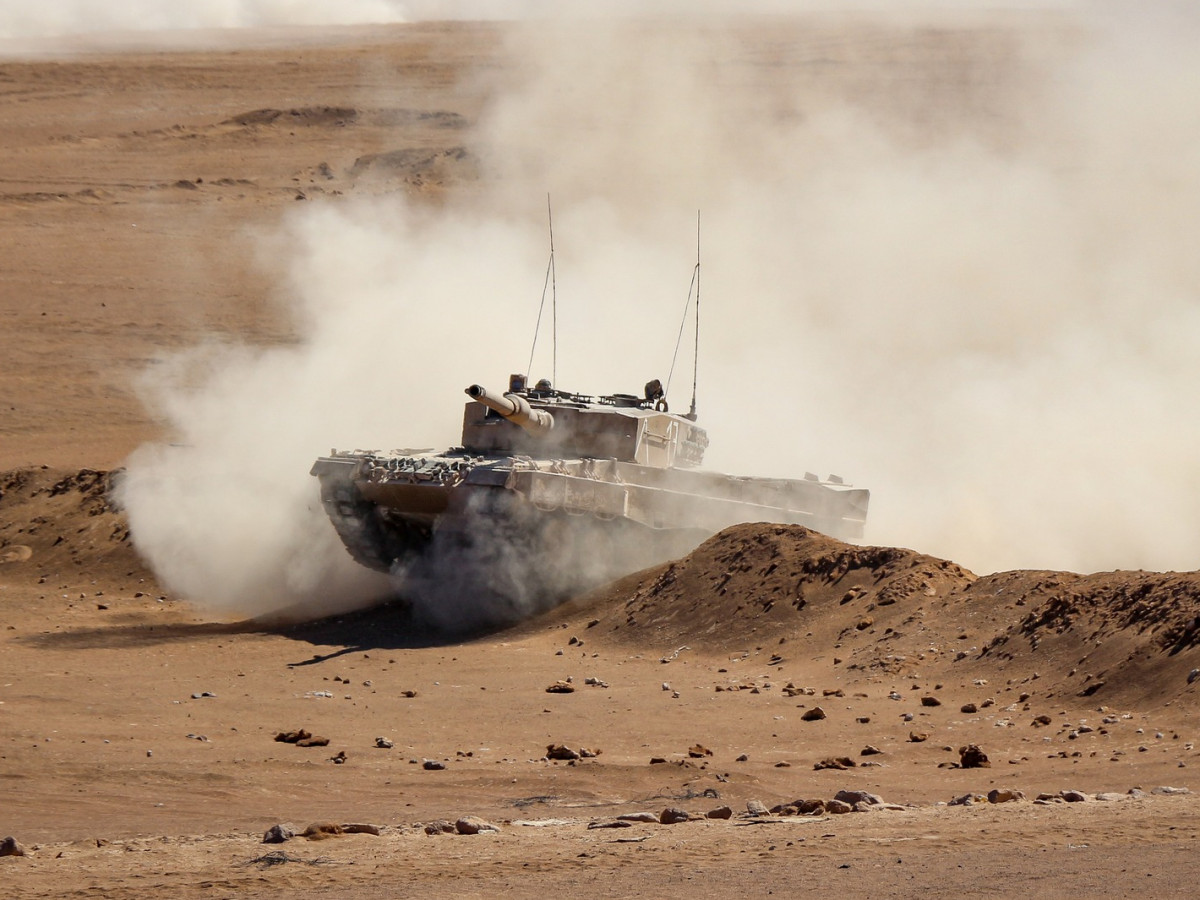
x=308, y=115
x=58, y=521
x=760, y=582
x=889, y=613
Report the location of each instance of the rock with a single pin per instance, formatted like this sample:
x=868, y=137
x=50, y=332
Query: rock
x=869, y=750
x=968, y=708
x=277, y=834
x=1193, y=675
x=756, y=808
x=699, y=751
x=837, y=807
x=433, y=765
x=917, y=737
x=474, y=825
x=1110, y=796
x=609, y=823
x=361, y=828
x=967, y=800
x=561, y=752
x=721, y=812
x=383, y=743
x=810, y=807
x=1039, y=721
x=291, y=737
x=834, y=762
x=638, y=817
x=853, y=797
x=1004, y=795
x=441, y=826
x=585, y=753
x=971, y=757
x=673, y=815
x=561, y=687
x=813, y=715
x=10, y=847
x=339, y=758
x=313, y=741
x=1166, y=789
x=930, y=701
x=742, y=758
x=318, y=831
x=1073, y=796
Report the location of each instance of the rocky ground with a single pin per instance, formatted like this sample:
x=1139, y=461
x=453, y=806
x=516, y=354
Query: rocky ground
x=777, y=711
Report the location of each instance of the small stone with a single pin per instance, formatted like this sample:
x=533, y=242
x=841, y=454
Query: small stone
x=699, y=751
x=810, y=807
x=837, y=807
x=361, y=828
x=870, y=750
x=917, y=737
x=10, y=847
x=1004, y=795
x=813, y=715
x=383, y=743
x=1110, y=796
x=1073, y=796
x=474, y=825
x=742, y=758
x=609, y=823
x=1166, y=789
x=339, y=758
x=277, y=834
x=756, y=808
x=433, y=765
x=638, y=817
x=441, y=826
x=673, y=815
x=930, y=701
x=721, y=812
x=1193, y=675
x=834, y=762
x=967, y=800
x=969, y=708
x=971, y=757
x=561, y=687
x=560, y=752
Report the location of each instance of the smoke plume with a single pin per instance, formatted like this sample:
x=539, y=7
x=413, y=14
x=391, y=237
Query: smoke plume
x=950, y=258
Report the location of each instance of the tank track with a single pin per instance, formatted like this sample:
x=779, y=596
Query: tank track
x=357, y=523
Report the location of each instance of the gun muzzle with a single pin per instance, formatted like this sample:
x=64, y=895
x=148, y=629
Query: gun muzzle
x=514, y=408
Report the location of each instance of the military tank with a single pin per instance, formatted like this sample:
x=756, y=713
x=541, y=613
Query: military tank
x=590, y=486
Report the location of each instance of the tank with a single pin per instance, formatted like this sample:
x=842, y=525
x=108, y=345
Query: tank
x=548, y=481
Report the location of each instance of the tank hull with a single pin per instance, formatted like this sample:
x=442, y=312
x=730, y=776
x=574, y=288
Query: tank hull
x=388, y=507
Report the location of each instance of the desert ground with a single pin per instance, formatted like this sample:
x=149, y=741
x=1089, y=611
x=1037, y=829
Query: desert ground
x=138, y=737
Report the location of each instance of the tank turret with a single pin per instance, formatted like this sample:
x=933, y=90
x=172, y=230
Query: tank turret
x=515, y=408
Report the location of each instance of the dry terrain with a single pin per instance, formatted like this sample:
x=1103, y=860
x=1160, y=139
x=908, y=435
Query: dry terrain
x=138, y=738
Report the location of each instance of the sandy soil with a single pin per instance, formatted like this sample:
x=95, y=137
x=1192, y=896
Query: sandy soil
x=138, y=751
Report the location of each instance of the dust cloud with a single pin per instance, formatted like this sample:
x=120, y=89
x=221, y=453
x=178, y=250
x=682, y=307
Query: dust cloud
x=951, y=260
x=21, y=20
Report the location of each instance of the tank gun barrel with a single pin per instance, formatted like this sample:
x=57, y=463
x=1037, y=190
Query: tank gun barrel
x=515, y=408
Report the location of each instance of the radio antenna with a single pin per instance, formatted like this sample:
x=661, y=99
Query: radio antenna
x=550, y=283
x=696, y=349
x=694, y=286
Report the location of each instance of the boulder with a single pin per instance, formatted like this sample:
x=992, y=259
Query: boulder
x=1004, y=795
x=673, y=815
x=474, y=825
x=277, y=834
x=853, y=797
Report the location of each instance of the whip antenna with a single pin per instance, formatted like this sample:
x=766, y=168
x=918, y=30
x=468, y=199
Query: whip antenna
x=549, y=283
x=695, y=285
